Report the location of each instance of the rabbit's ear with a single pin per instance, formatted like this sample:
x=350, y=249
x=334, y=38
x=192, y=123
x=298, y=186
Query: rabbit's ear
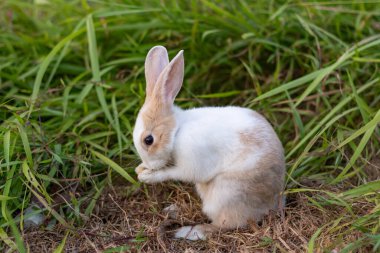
x=156, y=60
x=170, y=81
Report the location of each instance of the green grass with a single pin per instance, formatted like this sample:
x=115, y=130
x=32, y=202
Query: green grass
x=72, y=81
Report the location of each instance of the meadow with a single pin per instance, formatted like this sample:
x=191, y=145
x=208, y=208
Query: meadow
x=72, y=82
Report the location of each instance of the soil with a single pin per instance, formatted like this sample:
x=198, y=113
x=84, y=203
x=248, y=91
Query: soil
x=136, y=222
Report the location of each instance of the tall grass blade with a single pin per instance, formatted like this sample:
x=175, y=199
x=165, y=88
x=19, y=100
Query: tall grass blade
x=51, y=210
x=7, y=141
x=25, y=142
x=96, y=77
x=117, y=124
x=6, y=190
x=310, y=246
x=32, y=179
x=325, y=120
x=16, y=233
x=290, y=85
x=362, y=190
x=44, y=65
x=358, y=150
x=7, y=240
x=115, y=166
x=305, y=151
x=362, y=130
x=363, y=45
x=61, y=246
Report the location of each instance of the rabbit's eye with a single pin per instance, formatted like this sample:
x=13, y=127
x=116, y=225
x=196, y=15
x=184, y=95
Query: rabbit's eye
x=149, y=140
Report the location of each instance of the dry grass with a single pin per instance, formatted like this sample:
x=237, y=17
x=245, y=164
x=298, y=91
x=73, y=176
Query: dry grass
x=119, y=219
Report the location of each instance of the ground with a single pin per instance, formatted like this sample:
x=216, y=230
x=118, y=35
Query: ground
x=136, y=222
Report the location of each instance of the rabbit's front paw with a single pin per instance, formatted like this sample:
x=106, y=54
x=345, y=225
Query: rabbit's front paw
x=140, y=169
x=147, y=176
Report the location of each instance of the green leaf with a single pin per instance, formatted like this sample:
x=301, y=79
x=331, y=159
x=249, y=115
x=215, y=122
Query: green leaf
x=96, y=77
x=363, y=45
x=7, y=240
x=16, y=233
x=290, y=85
x=6, y=190
x=115, y=166
x=51, y=210
x=329, y=116
x=362, y=130
x=362, y=190
x=31, y=178
x=25, y=142
x=44, y=65
x=2, y=197
x=61, y=246
x=310, y=246
x=7, y=140
x=117, y=124
x=358, y=150
x=220, y=94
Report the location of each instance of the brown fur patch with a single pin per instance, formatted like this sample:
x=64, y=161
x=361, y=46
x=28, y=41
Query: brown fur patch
x=250, y=141
x=257, y=195
x=249, y=138
x=259, y=185
x=258, y=192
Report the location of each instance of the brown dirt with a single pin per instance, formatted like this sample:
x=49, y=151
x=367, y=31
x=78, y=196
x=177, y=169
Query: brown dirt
x=372, y=169
x=119, y=218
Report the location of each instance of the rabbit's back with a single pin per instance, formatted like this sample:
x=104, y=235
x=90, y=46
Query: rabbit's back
x=212, y=140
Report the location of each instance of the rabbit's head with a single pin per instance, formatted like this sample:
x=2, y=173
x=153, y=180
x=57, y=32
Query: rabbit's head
x=156, y=123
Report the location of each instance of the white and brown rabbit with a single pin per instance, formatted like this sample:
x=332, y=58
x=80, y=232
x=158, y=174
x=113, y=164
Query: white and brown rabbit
x=232, y=154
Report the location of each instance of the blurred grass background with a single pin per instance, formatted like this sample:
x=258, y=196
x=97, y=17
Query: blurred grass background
x=72, y=82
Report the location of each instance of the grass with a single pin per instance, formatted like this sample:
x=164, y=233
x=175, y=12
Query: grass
x=71, y=83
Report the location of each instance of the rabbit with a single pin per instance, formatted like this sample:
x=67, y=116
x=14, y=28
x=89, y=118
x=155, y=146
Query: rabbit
x=232, y=154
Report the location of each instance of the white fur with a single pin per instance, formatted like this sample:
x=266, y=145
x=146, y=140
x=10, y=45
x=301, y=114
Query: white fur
x=192, y=233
